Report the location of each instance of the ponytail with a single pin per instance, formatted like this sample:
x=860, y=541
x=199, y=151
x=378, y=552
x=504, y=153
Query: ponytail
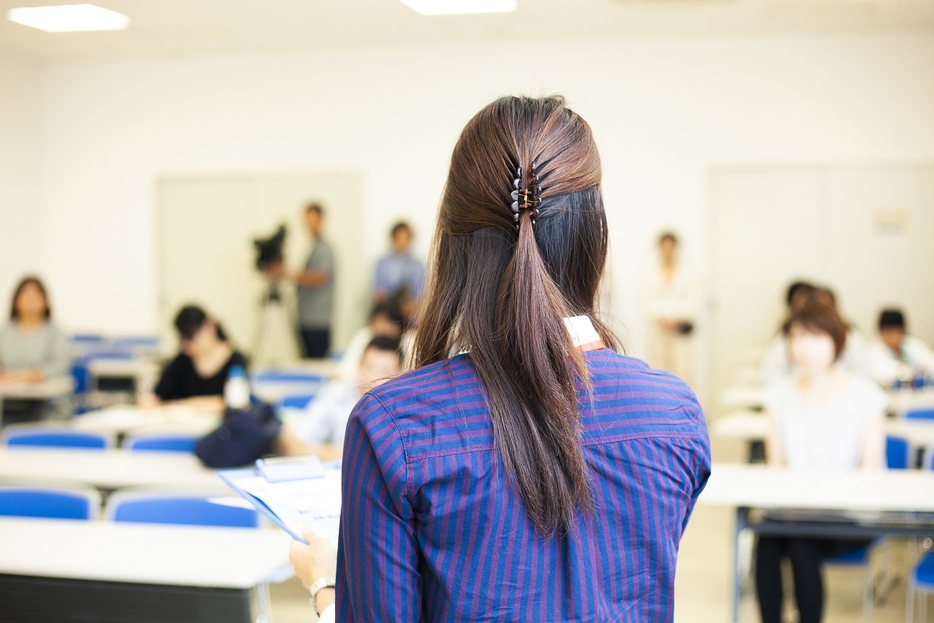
x=535, y=419
x=502, y=281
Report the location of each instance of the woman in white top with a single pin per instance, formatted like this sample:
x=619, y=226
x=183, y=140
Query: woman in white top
x=776, y=361
x=822, y=417
x=671, y=299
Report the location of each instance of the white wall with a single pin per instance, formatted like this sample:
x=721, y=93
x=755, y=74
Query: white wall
x=663, y=111
x=20, y=235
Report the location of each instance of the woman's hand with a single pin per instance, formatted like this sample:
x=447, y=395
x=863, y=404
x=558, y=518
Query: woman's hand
x=316, y=560
x=33, y=375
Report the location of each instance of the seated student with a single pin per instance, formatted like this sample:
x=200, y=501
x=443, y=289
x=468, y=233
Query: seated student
x=197, y=376
x=385, y=319
x=897, y=356
x=320, y=428
x=823, y=417
x=32, y=349
x=776, y=362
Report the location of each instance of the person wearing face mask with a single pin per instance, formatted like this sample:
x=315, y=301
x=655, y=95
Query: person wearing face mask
x=821, y=417
x=32, y=349
x=319, y=429
x=196, y=376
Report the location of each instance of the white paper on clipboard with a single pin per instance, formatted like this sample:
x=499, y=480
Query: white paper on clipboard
x=298, y=506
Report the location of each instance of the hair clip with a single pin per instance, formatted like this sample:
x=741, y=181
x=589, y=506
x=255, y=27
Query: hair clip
x=527, y=198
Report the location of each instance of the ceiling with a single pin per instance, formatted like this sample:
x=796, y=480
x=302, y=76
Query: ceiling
x=175, y=27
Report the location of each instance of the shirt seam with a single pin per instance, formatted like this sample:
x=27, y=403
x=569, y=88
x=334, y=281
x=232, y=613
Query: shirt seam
x=696, y=436
x=406, y=488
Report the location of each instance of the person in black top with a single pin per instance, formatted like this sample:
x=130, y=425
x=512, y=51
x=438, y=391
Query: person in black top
x=196, y=376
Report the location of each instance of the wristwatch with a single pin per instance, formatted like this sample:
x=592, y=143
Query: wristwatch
x=317, y=586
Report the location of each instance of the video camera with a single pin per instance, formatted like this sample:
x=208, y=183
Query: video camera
x=269, y=251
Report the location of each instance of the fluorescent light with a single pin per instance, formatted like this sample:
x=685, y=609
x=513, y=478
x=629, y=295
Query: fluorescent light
x=450, y=7
x=68, y=18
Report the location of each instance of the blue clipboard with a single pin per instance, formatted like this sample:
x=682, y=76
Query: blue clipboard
x=232, y=476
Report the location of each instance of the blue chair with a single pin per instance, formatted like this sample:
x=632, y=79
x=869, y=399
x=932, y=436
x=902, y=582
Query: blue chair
x=920, y=583
x=897, y=452
x=137, y=344
x=920, y=580
x=299, y=401
x=922, y=413
x=273, y=385
x=160, y=443
x=859, y=557
x=46, y=436
x=180, y=509
x=50, y=503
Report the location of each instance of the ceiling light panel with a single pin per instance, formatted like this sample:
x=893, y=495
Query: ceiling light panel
x=452, y=7
x=69, y=18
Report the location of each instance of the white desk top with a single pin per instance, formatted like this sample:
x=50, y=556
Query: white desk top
x=753, y=426
x=108, y=469
x=201, y=556
x=901, y=401
x=742, y=396
x=852, y=490
x=128, y=419
x=49, y=388
x=124, y=367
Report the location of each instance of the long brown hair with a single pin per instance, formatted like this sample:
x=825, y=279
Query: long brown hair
x=503, y=293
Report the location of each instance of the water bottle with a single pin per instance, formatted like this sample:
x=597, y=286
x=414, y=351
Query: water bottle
x=237, y=389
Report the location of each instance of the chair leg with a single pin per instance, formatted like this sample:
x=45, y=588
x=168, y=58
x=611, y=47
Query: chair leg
x=923, y=606
x=867, y=592
x=910, y=601
x=263, y=604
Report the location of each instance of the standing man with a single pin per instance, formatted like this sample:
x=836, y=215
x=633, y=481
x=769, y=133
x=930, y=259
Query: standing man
x=399, y=275
x=672, y=309
x=315, y=287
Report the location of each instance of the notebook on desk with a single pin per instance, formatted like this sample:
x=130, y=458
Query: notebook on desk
x=298, y=495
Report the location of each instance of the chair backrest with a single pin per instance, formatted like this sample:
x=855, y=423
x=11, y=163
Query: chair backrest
x=896, y=453
x=16, y=501
x=273, y=385
x=43, y=436
x=920, y=413
x=296, y=401
x=160, y=443
x=191, y=510
x=137, y=344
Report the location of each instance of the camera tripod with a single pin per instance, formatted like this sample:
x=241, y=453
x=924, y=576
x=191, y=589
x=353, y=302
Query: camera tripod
x=274, y=339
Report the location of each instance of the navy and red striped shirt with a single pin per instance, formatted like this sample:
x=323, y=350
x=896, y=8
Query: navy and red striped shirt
x=431, y=529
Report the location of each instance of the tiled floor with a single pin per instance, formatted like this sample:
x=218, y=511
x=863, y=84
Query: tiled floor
x=702, y=588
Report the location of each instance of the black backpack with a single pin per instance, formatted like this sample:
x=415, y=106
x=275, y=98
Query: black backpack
x=242, y=437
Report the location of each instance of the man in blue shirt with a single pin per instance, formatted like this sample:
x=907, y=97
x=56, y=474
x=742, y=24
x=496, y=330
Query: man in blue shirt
x=399, y=275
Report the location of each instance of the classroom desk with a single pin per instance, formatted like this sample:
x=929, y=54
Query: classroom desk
x=136, y=368
x=752, y=427
x=119, y=421
x=742, y=397
x=97, y=570
x=822, y=503
x=108, y=469
x=55, y=387
x=901, y=401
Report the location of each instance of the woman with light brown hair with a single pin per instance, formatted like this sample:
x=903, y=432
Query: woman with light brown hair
x=524, y=471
